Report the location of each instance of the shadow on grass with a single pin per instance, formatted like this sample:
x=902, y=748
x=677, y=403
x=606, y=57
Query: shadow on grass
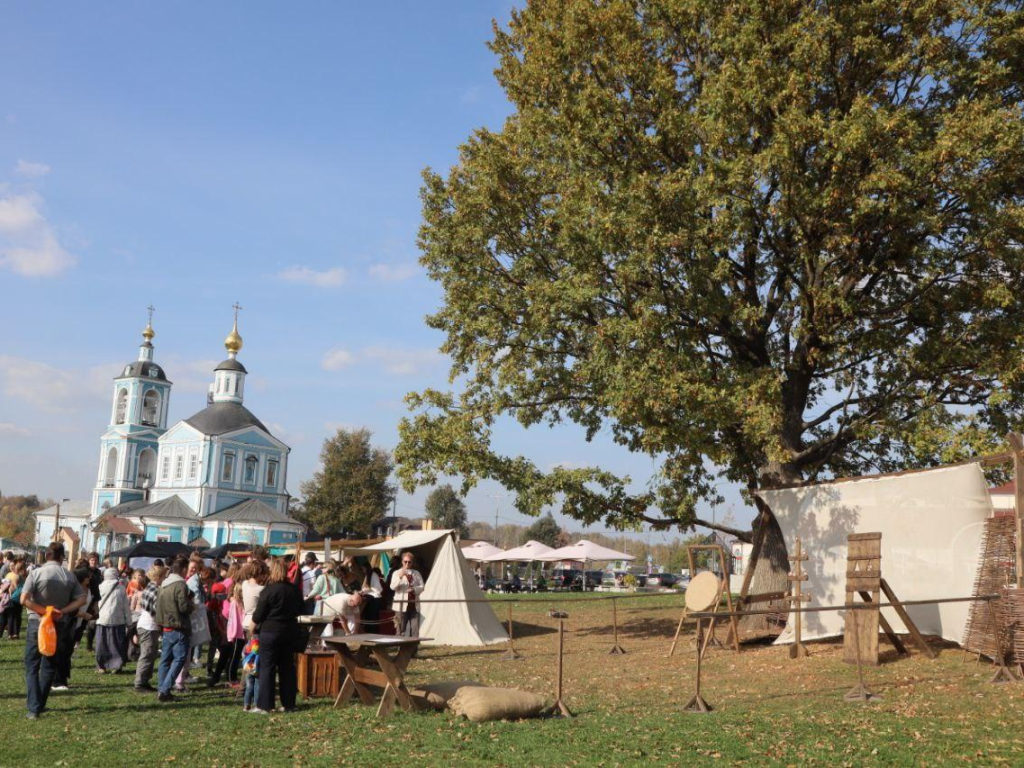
x=636, y=629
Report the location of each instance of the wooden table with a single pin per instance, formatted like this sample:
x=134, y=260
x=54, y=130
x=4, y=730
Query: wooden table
x=392, y=655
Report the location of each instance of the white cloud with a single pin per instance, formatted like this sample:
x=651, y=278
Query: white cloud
x=31, y=170
x=336, y=359
x=56, y=389
x=404, y=362
x=329, y=278
x=11, y=430
x=393, y=273
x=281, y=432
x=189, y=375
x=28, y=244
x=394, y=360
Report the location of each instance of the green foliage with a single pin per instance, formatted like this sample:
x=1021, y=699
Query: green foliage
x=447, y=509
x=545, y=530
x=758, y=243
x=351, y=490
x=17, y=518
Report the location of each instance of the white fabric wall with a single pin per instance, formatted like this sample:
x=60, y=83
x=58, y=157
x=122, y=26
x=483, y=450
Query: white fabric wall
x=931, y=525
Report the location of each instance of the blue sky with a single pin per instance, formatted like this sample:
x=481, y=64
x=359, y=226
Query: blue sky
x=192, y=155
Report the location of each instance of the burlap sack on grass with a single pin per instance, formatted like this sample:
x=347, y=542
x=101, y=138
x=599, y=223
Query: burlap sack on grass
x=437, y=695
x=483, y=704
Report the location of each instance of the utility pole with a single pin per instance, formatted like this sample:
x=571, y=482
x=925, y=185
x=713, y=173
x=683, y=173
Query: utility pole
x=497, y=506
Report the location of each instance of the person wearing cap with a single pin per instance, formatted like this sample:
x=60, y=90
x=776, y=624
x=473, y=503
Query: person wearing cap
x=310, y=572
x=112, y=624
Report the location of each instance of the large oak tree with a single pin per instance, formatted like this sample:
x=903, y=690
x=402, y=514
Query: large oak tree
x=761, y=243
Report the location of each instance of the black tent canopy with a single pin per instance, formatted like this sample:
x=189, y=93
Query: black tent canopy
x=162, y=549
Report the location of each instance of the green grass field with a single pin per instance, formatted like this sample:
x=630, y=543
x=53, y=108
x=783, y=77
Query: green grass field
x=768, y=709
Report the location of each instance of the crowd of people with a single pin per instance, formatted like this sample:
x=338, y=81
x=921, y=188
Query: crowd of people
x=237, y=620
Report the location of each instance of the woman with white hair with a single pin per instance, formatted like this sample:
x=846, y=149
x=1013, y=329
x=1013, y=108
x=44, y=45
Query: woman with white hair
x=112, y=625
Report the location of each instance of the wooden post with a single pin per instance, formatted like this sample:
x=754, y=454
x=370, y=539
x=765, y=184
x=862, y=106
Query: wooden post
x=1018, y=478
x=859, y=692
x=510, y=654
x=559, y=709
x=697, y=703
x=616, y=648
x=797, y=650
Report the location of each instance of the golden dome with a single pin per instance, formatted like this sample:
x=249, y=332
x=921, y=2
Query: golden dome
x=233, y=342
x=148, y=333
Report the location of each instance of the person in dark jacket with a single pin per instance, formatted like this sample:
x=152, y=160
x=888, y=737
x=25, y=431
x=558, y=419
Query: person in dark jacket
x=276, y=621
x=173, y=615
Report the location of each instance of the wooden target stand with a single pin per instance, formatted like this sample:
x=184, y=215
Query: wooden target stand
x=708, y=636
x=860, y=636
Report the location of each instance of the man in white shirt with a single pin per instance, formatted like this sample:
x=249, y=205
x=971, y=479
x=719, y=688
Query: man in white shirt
x=344, y=608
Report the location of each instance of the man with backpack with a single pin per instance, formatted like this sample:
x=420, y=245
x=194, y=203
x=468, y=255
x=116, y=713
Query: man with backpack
x=51, y=586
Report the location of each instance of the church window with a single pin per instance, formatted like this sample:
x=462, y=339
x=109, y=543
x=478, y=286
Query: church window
x=250, y=469
x=147, y=464
x=193, y=466
x=271, y=473
x=165, y=468
x=151, y=408
x=179, y=466
x=122, y=406
x=111, y=469
x=229, y=467
x=234, y=385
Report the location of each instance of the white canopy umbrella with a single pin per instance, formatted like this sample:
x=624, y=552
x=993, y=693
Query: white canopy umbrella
x=482, y=551
x=584, y=551
x=528, y=553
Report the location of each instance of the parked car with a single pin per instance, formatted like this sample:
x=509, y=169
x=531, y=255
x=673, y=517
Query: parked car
x=666, y=580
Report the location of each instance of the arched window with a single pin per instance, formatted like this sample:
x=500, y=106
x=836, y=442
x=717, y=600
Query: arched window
x=147, y=468
x=111, y=469
x=250, y=469
x=121, y=411
x=151, y=408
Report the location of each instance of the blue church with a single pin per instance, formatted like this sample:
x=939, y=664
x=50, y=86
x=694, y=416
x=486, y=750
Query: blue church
x=217, y=477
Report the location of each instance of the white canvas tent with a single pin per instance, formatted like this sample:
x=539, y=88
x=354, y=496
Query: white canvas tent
x=448, y=577
x=931, y=524
x=584, y=551
x=481, y=551
x=529, y=552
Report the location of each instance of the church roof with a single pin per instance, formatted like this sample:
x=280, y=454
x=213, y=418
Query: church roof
x=251, y=511
x=230, y=365
x=172, y=508
x=124, y=508
x=219, y=418
x=145, y=369
x=113, y=524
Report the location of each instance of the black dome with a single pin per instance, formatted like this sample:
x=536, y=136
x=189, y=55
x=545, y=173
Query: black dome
x=143, y=369
x=219, y=418
x=231, y=365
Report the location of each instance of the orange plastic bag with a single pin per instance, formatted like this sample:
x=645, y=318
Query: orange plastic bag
x=48, y=634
